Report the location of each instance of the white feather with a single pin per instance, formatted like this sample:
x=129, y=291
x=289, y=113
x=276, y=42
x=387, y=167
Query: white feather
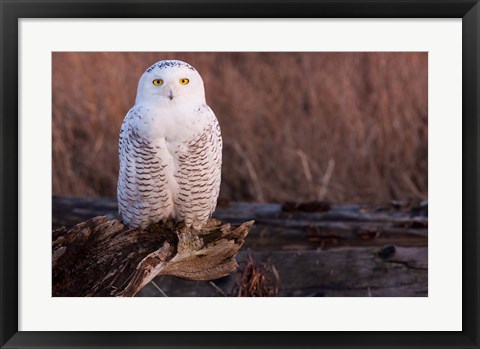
x=170, y=151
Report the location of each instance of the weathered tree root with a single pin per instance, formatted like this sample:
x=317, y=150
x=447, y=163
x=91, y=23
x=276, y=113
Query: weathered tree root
x=102, y=257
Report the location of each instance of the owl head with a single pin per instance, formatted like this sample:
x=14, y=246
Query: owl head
x=170, y=82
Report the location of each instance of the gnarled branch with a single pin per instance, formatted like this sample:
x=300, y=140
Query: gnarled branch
x=102, y=257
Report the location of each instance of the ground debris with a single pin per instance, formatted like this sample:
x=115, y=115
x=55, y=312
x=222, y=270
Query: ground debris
x=257, y=280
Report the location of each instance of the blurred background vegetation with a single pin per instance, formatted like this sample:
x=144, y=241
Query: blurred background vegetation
x=342, y=127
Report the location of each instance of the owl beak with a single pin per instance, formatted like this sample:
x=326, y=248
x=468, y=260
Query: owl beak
x=170, y=95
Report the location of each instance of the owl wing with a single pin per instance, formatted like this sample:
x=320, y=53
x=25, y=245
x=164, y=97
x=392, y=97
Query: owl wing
x=142, y=193
x=198, y=173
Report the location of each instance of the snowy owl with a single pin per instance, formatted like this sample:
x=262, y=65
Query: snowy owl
x=170, y=150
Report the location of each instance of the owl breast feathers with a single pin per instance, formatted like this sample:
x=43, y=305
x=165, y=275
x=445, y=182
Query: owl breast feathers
x=170, y=150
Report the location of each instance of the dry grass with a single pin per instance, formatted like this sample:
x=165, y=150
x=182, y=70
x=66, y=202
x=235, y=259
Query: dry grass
x=257, y=280
x=345, y=127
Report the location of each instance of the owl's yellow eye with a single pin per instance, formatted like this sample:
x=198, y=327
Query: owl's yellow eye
x=157, y=82
x=184, y=81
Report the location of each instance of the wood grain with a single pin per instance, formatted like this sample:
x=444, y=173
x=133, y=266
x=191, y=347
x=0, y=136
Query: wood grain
x=317, y=249
x=102, y=257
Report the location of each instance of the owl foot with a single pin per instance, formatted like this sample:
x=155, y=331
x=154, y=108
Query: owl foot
x=188, y=241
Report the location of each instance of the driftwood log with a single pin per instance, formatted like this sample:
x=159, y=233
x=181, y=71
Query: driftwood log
x=102, y=257
x=317, y=249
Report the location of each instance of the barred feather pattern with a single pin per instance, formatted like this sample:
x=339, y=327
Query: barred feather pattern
x=198, y=176
x=142, y=188
x=158, y=181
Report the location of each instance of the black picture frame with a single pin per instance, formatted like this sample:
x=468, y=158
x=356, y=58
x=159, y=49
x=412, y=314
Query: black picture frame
x=11, y=11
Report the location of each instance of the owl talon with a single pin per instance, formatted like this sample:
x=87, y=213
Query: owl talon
x=188, y=242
